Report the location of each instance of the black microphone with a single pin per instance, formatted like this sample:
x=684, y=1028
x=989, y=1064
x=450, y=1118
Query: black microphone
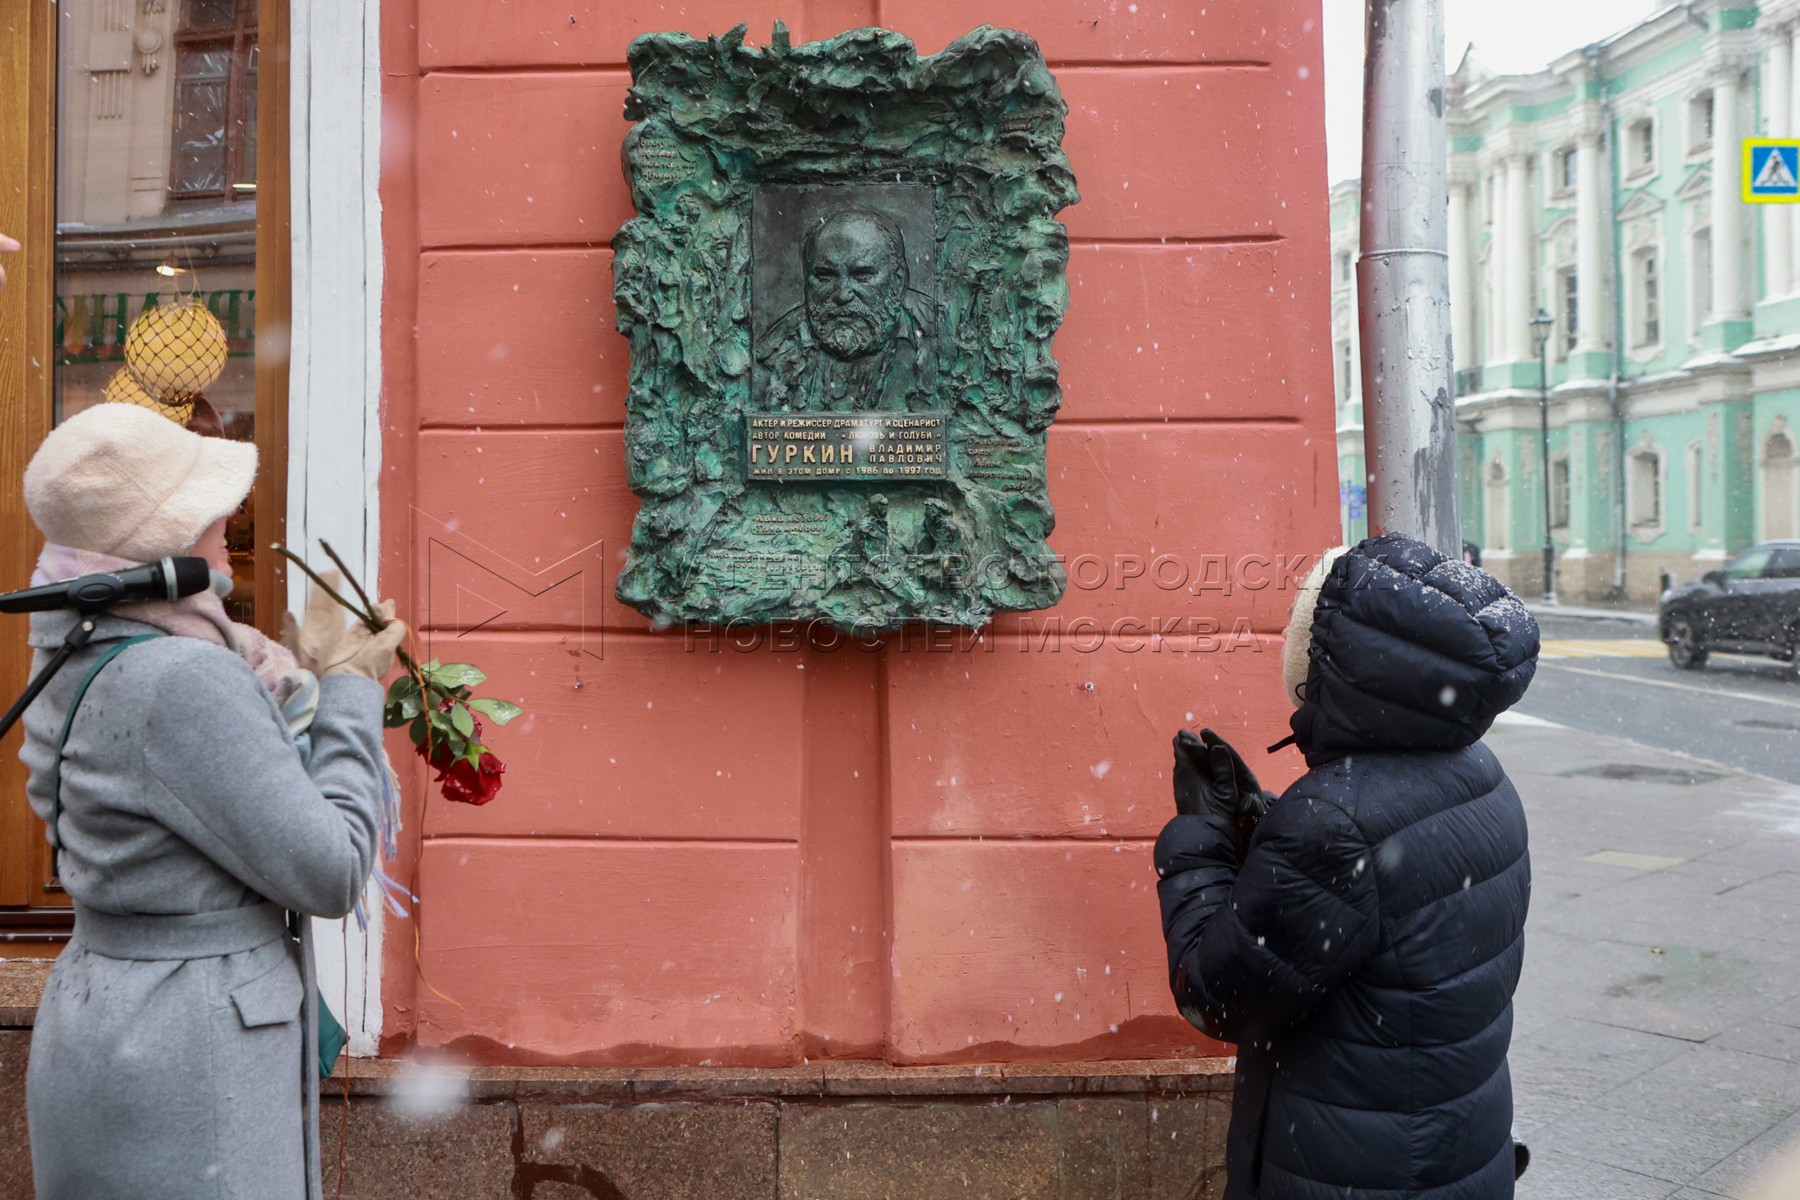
x=164, y=579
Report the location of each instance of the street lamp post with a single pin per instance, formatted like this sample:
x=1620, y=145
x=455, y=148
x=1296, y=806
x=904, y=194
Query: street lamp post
x=1542, y=323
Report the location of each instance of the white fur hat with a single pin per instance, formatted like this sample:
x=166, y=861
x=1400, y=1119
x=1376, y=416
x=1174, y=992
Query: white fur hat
x=1294, y=656
x=119, y=479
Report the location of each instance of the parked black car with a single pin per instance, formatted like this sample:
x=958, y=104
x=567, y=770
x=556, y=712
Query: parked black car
x=1752, y=606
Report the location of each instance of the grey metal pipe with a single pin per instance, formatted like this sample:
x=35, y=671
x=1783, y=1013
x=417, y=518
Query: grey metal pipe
x=1403, y=278
x=1615, y=395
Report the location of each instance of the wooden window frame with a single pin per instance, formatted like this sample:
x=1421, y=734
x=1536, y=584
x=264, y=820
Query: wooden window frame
x=243, y=41
x=35, y=917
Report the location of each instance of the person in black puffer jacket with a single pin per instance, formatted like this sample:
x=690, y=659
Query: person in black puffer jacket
x=1360, y=937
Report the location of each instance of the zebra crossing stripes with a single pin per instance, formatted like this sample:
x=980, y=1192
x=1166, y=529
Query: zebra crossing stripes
x=1559, y=648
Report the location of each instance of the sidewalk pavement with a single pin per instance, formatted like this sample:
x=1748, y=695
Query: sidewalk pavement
x=1658, y=1019
x=1637, y=616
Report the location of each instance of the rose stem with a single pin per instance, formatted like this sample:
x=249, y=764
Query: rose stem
x=368, y=604
x=366, y=616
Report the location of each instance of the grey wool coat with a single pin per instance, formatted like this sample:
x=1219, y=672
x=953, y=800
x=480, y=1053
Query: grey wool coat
x=166, y=1060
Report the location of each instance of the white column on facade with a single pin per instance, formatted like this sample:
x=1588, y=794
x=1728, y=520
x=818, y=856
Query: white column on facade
x=1462, y=287
x=1777, y=219
x=1727, y=201
x=1522, y=243
x=1499, y=235
x=1591, y=233
x=1789, y=127
x=334, y=431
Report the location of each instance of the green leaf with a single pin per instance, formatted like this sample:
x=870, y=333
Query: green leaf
x=463, y=719
x=501, y=711
x=404, y=686
x=417, y=732
x=455, y=675
x=409, y=706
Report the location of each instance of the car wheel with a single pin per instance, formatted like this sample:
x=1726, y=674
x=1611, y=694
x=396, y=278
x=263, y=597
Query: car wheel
x=1685, y=650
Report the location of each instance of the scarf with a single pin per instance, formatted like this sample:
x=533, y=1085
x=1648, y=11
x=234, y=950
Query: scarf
x=199, y=616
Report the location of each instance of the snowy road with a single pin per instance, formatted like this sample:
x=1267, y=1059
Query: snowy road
x=1612, y=677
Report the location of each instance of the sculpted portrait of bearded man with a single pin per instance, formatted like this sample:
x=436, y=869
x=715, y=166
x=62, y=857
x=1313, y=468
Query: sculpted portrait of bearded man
x=861, y=340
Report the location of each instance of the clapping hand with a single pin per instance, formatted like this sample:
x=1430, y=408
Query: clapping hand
x=1210, y=777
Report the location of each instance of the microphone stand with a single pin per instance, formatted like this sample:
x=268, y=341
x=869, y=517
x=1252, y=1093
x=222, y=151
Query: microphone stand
x=79, y=636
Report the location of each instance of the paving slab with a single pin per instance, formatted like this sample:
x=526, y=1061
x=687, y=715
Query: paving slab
x=1739, y=1174
x=1577, y=1061
x=1657, y=1024
x=1555, y=1175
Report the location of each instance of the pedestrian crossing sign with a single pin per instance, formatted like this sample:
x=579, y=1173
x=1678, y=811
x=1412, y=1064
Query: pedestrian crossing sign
x=1771, y=171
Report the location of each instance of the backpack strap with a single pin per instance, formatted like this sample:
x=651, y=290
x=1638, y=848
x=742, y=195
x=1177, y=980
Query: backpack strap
x=111, y=652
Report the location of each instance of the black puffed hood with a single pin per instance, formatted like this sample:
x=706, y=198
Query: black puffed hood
x=1410, y=651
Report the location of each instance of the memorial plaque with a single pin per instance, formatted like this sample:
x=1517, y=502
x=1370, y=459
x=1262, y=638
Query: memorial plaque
x=840, y=291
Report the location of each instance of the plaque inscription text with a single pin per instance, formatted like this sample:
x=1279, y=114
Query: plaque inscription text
x=791, y=448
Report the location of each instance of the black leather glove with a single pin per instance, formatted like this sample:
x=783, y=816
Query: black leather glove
x=1210, y=777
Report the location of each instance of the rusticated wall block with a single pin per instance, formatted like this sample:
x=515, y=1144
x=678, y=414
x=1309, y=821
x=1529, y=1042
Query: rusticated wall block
x=1092, y=1148
x=464, y=1153
x=516, y=1140
x=722, y=1150
x=1185, y=1149
x=15, y=1151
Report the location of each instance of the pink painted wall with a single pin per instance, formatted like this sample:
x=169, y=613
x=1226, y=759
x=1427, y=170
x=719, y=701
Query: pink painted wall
x=932, y=852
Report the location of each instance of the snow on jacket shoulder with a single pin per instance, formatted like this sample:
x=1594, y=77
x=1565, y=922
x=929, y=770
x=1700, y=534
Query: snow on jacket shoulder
x=1363, y=948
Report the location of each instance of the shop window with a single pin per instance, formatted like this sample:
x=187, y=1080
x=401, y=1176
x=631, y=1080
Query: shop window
x=1781, y=488
x=1644, y=491
x=158, y=223
x=1497, y=511
x=1560, y=491
x=1696, y=487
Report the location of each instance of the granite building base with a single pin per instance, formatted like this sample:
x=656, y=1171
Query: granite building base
x=849, y=1131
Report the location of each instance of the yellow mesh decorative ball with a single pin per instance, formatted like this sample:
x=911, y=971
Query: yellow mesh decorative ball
x=176, y=351
x=123, y=388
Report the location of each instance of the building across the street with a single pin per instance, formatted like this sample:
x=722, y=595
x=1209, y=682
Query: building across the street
x=1604, y=196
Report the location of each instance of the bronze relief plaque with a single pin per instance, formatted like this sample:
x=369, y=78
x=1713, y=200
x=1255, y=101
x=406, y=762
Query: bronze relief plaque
x=840, y=291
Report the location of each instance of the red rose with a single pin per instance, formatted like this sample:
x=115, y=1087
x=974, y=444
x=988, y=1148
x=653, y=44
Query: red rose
x=463, y=781
x=467, y=783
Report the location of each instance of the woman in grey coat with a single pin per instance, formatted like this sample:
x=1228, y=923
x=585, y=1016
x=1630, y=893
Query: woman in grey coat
x=167, y=1056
